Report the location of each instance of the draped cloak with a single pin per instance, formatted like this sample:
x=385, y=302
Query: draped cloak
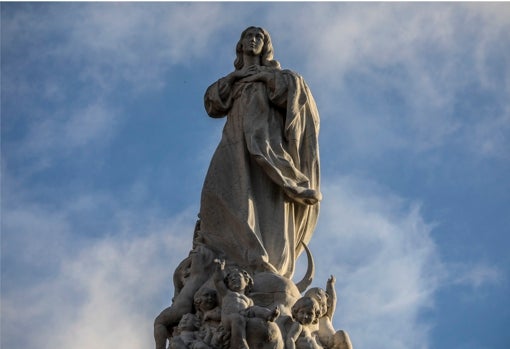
x=269, y=141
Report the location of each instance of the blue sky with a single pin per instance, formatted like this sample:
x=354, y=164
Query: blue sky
x=105, y=145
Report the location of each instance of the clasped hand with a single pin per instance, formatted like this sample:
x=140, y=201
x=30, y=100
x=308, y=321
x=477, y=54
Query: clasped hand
x=251, y=73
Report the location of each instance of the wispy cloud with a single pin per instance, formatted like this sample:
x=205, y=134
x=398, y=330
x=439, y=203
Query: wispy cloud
x=386, y=263
x=414, y=65
x=108, y=44
x=61, y=70
x=78, y=291
x=475, y=275
x=63, y=133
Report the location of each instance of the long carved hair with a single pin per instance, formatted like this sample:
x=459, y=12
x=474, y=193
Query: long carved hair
x=266, y=57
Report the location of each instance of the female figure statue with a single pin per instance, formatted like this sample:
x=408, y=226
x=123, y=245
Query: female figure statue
x=260, y=196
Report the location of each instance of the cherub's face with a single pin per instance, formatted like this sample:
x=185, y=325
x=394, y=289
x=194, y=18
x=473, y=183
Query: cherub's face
x=208, y=300
x=236, y=281
x=305, y=315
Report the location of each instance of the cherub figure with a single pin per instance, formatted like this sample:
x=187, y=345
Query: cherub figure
x=208, y=311
x=206, y=304
x=186, y=335
x=305, y=313
x=193, y=272
x=236, y=306
x=328, y=337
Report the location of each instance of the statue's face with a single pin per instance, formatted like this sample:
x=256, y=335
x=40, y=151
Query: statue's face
x=236, y=281
x=321, y=298
x=253, y=42
x=208, y=300
x=305, y=315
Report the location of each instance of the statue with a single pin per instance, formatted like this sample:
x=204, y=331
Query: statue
x=260, y=196
x=236, y=306
x=258, y=210
x=305, y=313
x=186, y=334
x=326, y=299
x=191, y=273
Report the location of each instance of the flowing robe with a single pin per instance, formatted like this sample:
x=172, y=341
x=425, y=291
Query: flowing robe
x=270, y=141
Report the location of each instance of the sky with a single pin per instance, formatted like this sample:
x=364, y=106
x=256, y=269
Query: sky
x=105, y=144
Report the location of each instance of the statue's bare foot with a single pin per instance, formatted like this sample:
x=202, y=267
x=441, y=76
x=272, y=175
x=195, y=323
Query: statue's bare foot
x=303, y=195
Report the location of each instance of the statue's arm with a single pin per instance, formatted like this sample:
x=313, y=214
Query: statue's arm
x=217, y=98
x=180, y=274
x=330, y=290
x=293, y=335
x=219, y=279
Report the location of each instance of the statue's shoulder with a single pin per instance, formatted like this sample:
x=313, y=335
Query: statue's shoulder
x=298, y=78
x=290, y=72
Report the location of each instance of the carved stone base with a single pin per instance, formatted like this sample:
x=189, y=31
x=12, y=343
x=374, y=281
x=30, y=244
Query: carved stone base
x=219, y=305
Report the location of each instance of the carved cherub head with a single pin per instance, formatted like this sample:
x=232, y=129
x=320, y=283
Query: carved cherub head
x=205, y=299
x=238, y=280
x=306, y=311
x=320, y=296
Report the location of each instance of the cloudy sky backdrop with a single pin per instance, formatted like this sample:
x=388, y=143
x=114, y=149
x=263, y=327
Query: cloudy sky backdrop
x=105, y=145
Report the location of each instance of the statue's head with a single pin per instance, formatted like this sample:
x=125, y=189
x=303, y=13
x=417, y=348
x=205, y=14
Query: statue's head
x=205, y=299
x=306, y=311
x=238, y=279
x=266, y=57
x=320, y=296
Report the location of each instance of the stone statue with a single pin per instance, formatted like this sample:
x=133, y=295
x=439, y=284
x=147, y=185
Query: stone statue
x=193, y=272
x=186, y=334
x=260, y=196
x=236, y=307
x=326, y=299
x=305, y=313
x=259, y=208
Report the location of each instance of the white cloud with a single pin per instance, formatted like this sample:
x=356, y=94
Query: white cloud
x=490, y=137
x=92, y=292
x=137, y=43
x=76, y=56
x=120, y=279
x=74, y=129
x=51, y=137
x=425, y=56
x=475, y=275
x=387, y=265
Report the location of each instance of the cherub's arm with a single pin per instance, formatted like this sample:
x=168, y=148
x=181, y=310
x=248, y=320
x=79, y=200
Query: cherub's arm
x=213, y=314
x=293, y=335
x=219, y=279
x=180, y=275
x=330, y=290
